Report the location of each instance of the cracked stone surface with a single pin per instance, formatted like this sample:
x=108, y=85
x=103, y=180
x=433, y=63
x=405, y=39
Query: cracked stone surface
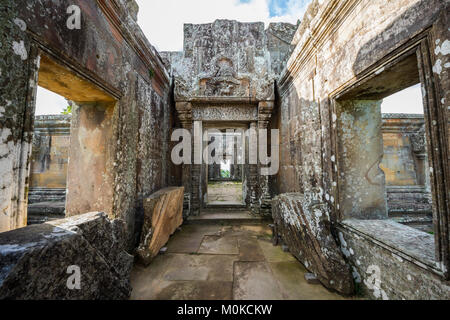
x=211, y=262
x=34, y=261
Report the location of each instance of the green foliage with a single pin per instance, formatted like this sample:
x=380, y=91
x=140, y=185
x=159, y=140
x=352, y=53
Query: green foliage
x=225, y=173
x=67, y=110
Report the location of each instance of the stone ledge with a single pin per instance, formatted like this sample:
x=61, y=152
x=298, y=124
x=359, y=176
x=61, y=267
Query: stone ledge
x=402, y=116
x=408, y=243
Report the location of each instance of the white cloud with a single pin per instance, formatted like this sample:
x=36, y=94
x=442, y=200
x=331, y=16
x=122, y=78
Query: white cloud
x=406, y=101
x=162, y=20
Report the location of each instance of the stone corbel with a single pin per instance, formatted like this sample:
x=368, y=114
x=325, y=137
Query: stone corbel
x=181, y=90
x=265, y=90
x=184, y=110
x=265, y=110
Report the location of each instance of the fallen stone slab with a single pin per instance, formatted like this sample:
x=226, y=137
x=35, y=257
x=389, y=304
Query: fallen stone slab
x=79, y=258
x=304, y=225
x=163, y=215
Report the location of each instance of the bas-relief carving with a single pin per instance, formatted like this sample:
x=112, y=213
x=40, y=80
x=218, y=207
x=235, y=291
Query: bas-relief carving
x=223, y=81
x=228, y=59
x=225, y=113
x=418, y=141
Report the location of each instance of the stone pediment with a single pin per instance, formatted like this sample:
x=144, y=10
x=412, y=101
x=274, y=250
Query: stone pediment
x=224, y=87
x=222, y=80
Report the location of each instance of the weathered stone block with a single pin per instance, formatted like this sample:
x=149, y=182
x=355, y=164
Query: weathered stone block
x=163, y=215
x=35, y=261
x=305, y=227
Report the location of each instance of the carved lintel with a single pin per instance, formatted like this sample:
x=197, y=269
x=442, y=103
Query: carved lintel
x=225, y=112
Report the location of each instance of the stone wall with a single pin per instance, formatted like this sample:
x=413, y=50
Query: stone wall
x=405, y=165
x=330, y=122
x=121, y=91
x=381, y=268
x=50, y=152
x=48, y=172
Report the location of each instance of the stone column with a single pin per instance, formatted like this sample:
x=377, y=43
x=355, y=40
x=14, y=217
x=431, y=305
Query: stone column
x=184, y=110
x=265, y=110
x=252, y=175
x=362, y=188
x=90, y=179
x=196, y=171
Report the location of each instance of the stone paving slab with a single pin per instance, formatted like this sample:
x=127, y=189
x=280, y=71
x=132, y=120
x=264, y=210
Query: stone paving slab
x=185, y=290
x=275, y=254
x=225, y=193
x=196, y=290
x=219, y=245
x=189, y=239
x=223, y=263
x=184, y=267
x=249, y=250
x=291, y=277
x=255, y=281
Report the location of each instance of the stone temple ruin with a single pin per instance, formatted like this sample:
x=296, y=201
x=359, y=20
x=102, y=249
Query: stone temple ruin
x=360, y=200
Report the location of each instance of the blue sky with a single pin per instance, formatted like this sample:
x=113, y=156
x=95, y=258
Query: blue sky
x=279, y=8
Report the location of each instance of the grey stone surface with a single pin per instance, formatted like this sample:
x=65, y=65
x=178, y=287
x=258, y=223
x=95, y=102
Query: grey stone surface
x=415, y=243
x=331, y=63
x=255, y=281
x=258, y=271
x=249, y=250
x=385, y=273
x=34, y=261
x=219, y=245
x=229, y=59
x=305, y=227
x=311, y=278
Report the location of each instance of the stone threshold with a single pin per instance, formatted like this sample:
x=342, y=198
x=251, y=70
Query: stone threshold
x=224, y=217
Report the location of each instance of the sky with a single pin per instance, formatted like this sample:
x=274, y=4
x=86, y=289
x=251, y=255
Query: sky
x=406, y=101
x=162, y=22
x=48, y=103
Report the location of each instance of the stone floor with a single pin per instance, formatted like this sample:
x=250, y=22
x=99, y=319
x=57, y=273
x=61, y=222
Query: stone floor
x=225, y=193
x=214, y=262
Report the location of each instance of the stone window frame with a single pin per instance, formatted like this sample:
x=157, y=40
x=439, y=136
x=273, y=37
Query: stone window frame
x=435, y=123
x=45, y=58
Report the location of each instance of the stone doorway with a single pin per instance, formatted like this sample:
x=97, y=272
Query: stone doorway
x=225, y=193
x=225, y=174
